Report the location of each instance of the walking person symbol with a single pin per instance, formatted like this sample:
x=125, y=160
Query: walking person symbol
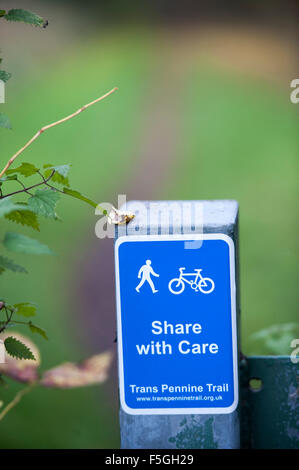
x=147, y=271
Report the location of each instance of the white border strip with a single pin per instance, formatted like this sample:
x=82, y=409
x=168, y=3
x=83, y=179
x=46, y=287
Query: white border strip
x=175, y=411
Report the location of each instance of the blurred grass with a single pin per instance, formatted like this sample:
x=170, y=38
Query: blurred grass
x=238, y=140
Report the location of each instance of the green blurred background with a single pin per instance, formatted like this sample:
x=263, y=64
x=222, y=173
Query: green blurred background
x=202, y=112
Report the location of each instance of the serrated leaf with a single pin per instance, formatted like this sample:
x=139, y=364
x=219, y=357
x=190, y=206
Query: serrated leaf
x=60, y=175
x=38, y=330
x=26, y=309
x=24, y=217
x=25, y=169
x=43, y=202
x=22, y=244
x=63, y=170
x=7, y=206
x=17, y=349
x=4, y=121
x=25, y=16
x=6, y=263
x=4, y=76
x=77, y=195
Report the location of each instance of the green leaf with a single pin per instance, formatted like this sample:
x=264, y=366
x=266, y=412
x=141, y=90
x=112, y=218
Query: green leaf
x=22, y=244
x=24, y=217
x=4, y=121
x=77, y=195
x=18, y=14
x=38, y=330
x=25, y=169
x=60, y=175
x=4, y=76
x=6, y=263
x=7, y=178
x=7, y=206
x=63, y=170
x=43, y=202
x=2, y=13
x=26, y=309
x=17, y=349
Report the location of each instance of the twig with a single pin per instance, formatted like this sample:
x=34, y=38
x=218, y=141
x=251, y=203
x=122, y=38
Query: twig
x=31, y=187
x=45, y=128
x=16, y=400
x=8, y=320
x=49, y=185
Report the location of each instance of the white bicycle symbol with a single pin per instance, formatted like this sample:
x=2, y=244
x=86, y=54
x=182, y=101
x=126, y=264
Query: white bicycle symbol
x=204, y=284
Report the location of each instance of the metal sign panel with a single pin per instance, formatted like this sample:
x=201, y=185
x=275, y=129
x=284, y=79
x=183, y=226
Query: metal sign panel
x=176, y=323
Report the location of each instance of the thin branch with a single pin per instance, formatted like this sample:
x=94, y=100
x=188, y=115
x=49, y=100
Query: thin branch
x=16, y=400
x=2, y=196
x=49, y=185
x=45, y=128
x=23, y=186
x=31, y=187
x=8, y=320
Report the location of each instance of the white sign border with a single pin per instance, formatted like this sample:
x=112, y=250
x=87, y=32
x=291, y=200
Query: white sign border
x=178, y=411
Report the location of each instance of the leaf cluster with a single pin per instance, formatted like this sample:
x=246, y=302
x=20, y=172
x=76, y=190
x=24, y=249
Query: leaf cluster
x=41, y=202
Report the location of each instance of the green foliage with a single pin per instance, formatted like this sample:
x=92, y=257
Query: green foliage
x=60, y=175
x=4, y=121
x=26, y=309
x=38, y=330
x=41, y=198
x=7, y=206
x=6, y=263
x=4, y=76
x=8, y=178
x=62, y=170
x=25, y=169
x=24, y=217
x=21, y=244
x=18, y=14
x=77, y=195
x=17, y=349
x=43, y=202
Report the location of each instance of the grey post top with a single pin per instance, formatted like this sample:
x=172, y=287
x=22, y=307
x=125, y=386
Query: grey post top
x=167, y=217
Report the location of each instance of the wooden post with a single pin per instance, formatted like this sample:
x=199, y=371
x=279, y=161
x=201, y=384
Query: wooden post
x=194, y=430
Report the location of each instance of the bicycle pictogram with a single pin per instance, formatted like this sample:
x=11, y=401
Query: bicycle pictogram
x=195, y=280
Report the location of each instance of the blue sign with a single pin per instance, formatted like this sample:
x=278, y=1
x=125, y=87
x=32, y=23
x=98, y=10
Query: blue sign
x=176, y=324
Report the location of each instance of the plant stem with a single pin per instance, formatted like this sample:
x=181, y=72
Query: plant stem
x=43, y=129
x=8, y=319
x=24, y=187
x=16, y=399
x=30, y=187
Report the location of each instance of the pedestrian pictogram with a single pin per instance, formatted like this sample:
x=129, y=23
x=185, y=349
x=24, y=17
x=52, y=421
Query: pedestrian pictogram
x=145, y=273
